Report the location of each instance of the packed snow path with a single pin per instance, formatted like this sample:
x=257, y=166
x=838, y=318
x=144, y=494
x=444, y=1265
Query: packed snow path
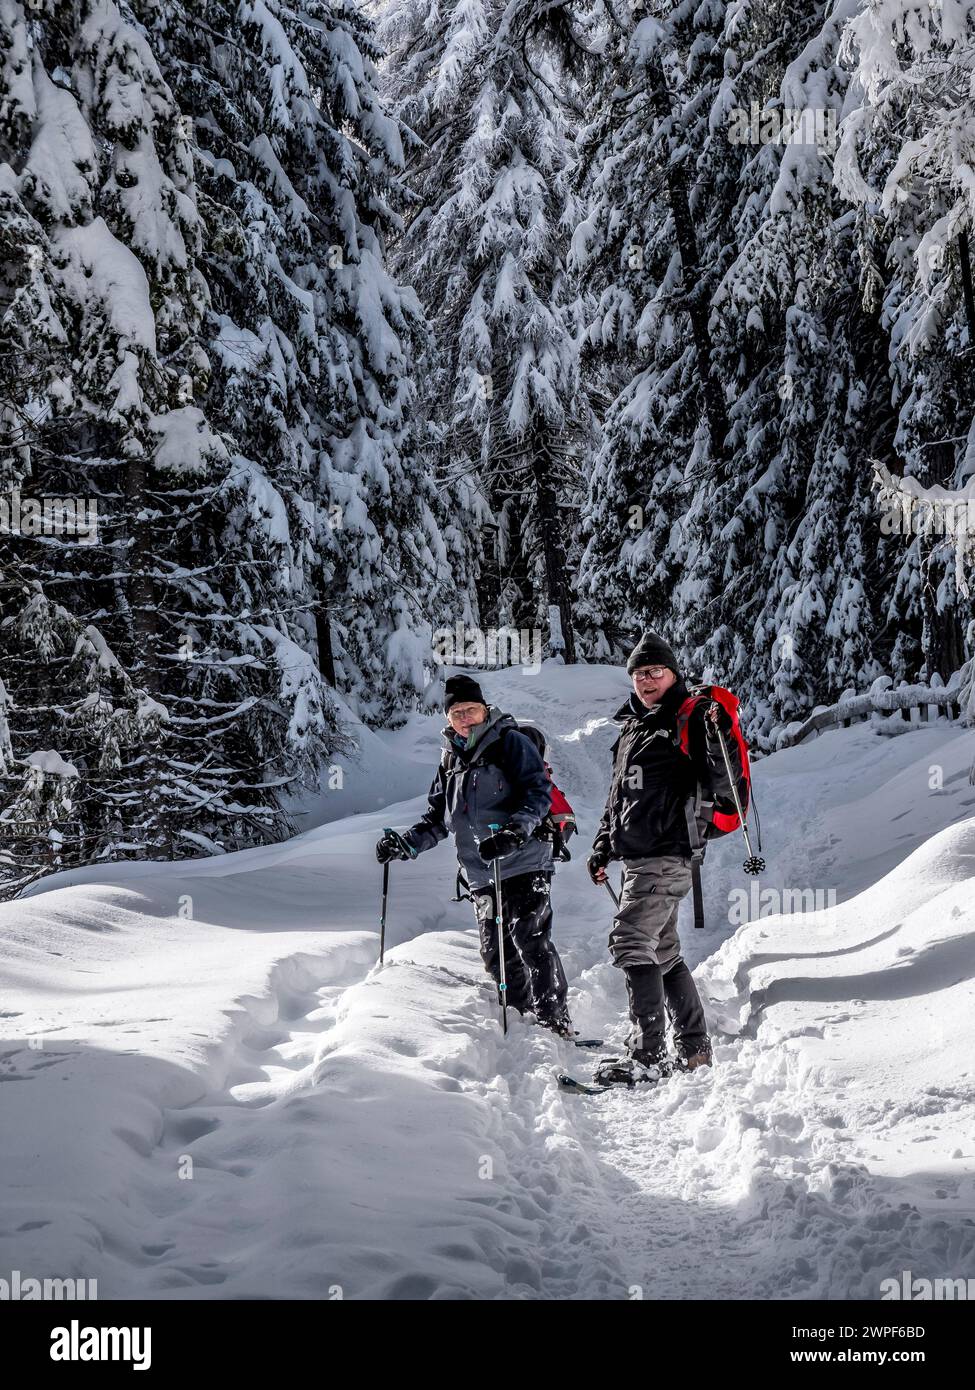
x=287, y=1120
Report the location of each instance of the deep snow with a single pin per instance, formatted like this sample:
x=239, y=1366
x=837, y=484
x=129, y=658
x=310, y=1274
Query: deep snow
x=355, y=1132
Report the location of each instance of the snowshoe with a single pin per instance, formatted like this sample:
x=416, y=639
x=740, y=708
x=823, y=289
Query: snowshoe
x=578, y=1088
x=631, y=1071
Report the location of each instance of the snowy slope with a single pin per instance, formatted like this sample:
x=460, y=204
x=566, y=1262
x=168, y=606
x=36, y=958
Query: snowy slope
x=363, y=1133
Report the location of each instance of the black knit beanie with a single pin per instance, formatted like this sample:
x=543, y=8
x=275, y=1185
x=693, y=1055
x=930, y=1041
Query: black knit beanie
x=652, y=650
x=459, y=689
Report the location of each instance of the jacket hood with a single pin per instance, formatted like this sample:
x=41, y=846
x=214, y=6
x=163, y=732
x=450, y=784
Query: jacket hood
x=668, y=704
x=496, y=721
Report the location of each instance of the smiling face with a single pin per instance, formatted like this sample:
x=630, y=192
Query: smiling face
x=652, y=682
x=463, y=716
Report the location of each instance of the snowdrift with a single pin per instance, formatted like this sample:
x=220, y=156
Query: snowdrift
x=211, y=1091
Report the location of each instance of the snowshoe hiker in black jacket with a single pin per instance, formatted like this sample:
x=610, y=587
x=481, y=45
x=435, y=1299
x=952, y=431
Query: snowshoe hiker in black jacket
x=645, y=826
x=492, y=774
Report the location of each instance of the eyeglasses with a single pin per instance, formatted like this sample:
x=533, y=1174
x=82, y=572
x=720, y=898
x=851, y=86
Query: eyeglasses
x=463, y=711
x=654, y=672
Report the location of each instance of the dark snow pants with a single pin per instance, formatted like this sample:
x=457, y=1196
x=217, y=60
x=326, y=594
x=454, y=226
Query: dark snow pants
x=533, y=971
x=652, y=989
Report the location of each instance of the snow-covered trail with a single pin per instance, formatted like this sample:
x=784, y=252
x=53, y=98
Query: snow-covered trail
x=378, y=1143
x=257, y=1110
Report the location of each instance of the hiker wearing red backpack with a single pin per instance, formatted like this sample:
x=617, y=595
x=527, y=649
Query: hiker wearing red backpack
x=668, y=786
x=492, y=774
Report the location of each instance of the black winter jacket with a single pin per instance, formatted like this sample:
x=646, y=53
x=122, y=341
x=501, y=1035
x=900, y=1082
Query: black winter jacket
x=653, y=779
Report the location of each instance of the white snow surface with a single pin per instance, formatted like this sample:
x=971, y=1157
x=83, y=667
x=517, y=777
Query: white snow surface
x=211, y=1090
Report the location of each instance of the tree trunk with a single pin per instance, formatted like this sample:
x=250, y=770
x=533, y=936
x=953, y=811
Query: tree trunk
x=142, y=607
x=551, y=536
x=968, y=294
x=323, y=632
x=680, y=207
x=942, y=647
x=488, y=581
x=143, y=636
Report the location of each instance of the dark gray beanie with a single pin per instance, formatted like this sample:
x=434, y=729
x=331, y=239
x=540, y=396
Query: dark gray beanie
x=461, y=690
x=652, y=650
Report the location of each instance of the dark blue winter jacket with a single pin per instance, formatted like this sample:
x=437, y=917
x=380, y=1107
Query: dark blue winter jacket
x=501, y=780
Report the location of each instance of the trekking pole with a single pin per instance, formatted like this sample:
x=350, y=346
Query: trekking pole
x=411, y=853
x=609, y=890
x=754, y=864
x=382, y=920
x=502, y=983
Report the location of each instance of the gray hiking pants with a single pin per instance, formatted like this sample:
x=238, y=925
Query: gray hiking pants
x=645, y=945
x=645, y=926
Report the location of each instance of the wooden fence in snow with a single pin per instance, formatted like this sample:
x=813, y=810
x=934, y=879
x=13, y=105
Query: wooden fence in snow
x=907, y=704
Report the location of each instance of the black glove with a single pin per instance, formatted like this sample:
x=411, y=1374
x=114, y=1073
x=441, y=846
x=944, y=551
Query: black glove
x=596, y=862
x=559, y=850
x=505, y=841
x=389, y=847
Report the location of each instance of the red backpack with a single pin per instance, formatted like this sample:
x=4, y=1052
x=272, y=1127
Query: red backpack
x=560, y=821
x=720, y=815
x=723, y=817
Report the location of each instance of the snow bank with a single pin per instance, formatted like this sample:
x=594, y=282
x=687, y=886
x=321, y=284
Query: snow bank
x=255, y=1110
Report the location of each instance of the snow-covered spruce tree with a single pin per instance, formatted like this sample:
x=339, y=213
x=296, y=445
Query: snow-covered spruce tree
x=907, y=163
x=72, y=694
x=297, y=171
x=744, y=554
x=810, y=401
x=175, y=629
x=40, y=822
x=640, y=363
x=82, y=770
x=484, y=243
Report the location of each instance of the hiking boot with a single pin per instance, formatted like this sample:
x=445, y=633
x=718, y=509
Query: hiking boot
x=659, y=1064
x=698, y=1059
x=561, y=1026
